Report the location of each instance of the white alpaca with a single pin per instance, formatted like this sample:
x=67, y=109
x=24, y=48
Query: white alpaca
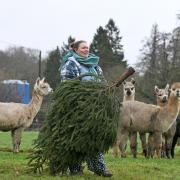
x=16, y=117
x=128, y=95
x=147, y=118
x=129, y=90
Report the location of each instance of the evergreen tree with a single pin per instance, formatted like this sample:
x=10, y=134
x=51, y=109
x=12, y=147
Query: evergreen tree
x=163, y=65
x=70, y=137
x=148, y=64
x=175, y=55
x=107, y=45
x=115, y=41
x=101, y=47
x=52, y=68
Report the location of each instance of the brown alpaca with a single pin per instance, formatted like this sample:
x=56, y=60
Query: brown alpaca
x=162, y=99
x=148, y=118
x=16, y=117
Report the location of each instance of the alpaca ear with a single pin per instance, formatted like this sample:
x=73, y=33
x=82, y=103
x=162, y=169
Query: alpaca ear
x=124, y=82
x=169, y=91
x=43, y=79
x=156, y=89
x=37, y=80
x=167, y=87
x=133, y=81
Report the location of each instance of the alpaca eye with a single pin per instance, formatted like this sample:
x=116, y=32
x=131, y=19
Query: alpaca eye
x=173, y=89
x=132, y=88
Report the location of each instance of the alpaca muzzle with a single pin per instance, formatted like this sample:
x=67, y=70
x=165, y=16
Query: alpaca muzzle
x=178, y=93
x=164, y=99
x=128, y=92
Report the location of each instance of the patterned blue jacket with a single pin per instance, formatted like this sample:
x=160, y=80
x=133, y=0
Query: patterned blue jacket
x=73, y=68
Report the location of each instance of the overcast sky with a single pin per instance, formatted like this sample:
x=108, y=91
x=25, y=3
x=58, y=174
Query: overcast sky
x=44, y=24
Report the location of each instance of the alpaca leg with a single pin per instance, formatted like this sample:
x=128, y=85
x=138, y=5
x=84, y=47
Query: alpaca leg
x=115, y=147
x=133, y=143
x=115, y=150
x=168, y=146
x=16, y=139
x=143, y=143
x=158, y=143
x=150, y=151
x=173, y=145
x=123, y=137
x=163, y=150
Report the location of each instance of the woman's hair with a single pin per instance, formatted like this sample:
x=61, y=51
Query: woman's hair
x=75, y=44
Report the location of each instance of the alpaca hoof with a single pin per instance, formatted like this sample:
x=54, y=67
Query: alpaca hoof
x=163, y=154
x=15, y=151
x=115, y=155
x=123, y=156
x=145, y=152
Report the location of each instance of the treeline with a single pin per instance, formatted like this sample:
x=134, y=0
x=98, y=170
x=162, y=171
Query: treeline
x=159, y=62
x=19, y=63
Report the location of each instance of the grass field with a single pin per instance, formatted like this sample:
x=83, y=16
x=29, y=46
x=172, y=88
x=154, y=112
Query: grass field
x=14, y=166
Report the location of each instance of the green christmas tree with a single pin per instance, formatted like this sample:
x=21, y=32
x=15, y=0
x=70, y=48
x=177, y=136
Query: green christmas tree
x=81, y=122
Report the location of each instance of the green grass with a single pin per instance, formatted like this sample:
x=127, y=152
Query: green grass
x=14, y=166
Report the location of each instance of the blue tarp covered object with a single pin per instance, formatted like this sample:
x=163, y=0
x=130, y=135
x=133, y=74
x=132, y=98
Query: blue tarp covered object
x=17, y=91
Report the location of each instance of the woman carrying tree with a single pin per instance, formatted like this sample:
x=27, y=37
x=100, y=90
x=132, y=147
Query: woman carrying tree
x=77, y=62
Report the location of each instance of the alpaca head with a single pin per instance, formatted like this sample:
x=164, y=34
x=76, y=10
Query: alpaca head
x=41, y=87
x=162, y=94
x=129, y=87
x=175, y=90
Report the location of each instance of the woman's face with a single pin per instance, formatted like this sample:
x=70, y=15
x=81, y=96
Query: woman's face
x=83, y=50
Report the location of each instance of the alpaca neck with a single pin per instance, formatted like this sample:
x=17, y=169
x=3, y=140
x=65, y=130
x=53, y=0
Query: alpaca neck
x=173, y=105
x=160, y=103
x=35, y=104
x=128, y=98
x=169, y=113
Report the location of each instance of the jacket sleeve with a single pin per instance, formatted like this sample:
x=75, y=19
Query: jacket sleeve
x=69, y=71
x=100, y=73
